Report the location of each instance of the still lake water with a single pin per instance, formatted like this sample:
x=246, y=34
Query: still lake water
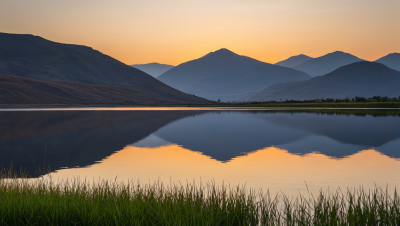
x=279, y=151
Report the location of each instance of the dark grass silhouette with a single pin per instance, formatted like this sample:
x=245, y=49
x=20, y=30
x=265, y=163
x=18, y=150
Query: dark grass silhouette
x=78, y=202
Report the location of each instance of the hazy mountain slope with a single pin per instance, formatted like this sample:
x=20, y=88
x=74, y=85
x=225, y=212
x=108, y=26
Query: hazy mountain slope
x=33, y=57
x=392, y=60
x=153, y=69
x=18, y=90
x=327, y=63
x=294, y=61
x=365, y=79
x=225, y=75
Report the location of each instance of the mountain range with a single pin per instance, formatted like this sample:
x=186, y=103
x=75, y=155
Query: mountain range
x=294, y=61
x=226, y=75
x=50, y=67
x=392, y=60
x=153, y=69
x=327, y=63
x=364, y=79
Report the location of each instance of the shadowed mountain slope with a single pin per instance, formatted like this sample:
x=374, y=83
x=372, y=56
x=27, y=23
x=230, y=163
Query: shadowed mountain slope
x=364, y=79
x=327, y=63
x=18, y=90
x=392, y=60
x=153, y=69
x=225, y=75
x=34, y=57
x=294, y=61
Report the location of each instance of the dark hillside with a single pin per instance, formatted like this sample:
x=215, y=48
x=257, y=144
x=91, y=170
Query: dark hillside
x=366, y=79
x=18, y=90
x=33, y=57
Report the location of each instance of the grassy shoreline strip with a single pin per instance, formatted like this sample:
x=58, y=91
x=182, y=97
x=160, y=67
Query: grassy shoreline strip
x=43, y=202
x=302, y=105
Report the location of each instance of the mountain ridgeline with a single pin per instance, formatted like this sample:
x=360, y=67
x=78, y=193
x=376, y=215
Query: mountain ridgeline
x=225, y=75
x=364, y=79
x=392, y=60
x=51, y=66
x=294, y=61
x=327, y=63
x=153, y=69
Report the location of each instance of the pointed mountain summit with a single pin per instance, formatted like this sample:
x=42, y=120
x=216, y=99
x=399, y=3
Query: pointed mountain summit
x=153, y=69
x=327, y=63
x=222, y=54
x=99, y=76
x=226, y=75
x=294, y=61
x=392, y=60
x=365, y=79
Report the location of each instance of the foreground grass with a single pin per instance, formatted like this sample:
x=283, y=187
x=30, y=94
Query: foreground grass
x=43, y=202
x=307, y=105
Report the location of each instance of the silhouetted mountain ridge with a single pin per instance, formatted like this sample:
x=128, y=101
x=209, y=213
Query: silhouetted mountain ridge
x=226, y=75
x=364, y=79
x=153, y=69
x=327, y=63
x=391, y=60
x=294, y=61
x=33, y=57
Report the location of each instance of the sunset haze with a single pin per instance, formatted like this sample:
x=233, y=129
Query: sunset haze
x=176, y=31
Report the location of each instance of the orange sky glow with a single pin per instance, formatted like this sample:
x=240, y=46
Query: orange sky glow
x=176, y=31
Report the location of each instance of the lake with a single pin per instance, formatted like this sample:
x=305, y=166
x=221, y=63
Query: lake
x=288, y=151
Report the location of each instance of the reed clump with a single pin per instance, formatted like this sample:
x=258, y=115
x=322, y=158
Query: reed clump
x=75, y=202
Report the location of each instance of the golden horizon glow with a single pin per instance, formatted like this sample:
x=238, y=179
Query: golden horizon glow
x=269, y=168
x=176, y=31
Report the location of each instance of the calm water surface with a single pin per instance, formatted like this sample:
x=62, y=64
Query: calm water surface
x=279, y=151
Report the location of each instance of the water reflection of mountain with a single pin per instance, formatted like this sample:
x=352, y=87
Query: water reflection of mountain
x=74, y=138
x=226, y=135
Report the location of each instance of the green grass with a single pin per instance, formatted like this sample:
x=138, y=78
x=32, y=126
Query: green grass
x=308, y=105
x=43, y=202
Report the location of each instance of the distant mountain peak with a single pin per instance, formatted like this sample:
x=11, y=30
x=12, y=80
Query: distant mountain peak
x=294, y=61
x=338, y=53
x=221, y=53
x=391, y=60
x=153, y=63
x=224, y=50
x=153, y=69
x=327, y=63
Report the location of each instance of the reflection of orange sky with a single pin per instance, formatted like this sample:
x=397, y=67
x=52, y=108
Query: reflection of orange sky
x=175, y=31
x=270, y=168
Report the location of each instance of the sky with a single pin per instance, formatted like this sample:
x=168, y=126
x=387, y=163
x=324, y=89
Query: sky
x=176, y=31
